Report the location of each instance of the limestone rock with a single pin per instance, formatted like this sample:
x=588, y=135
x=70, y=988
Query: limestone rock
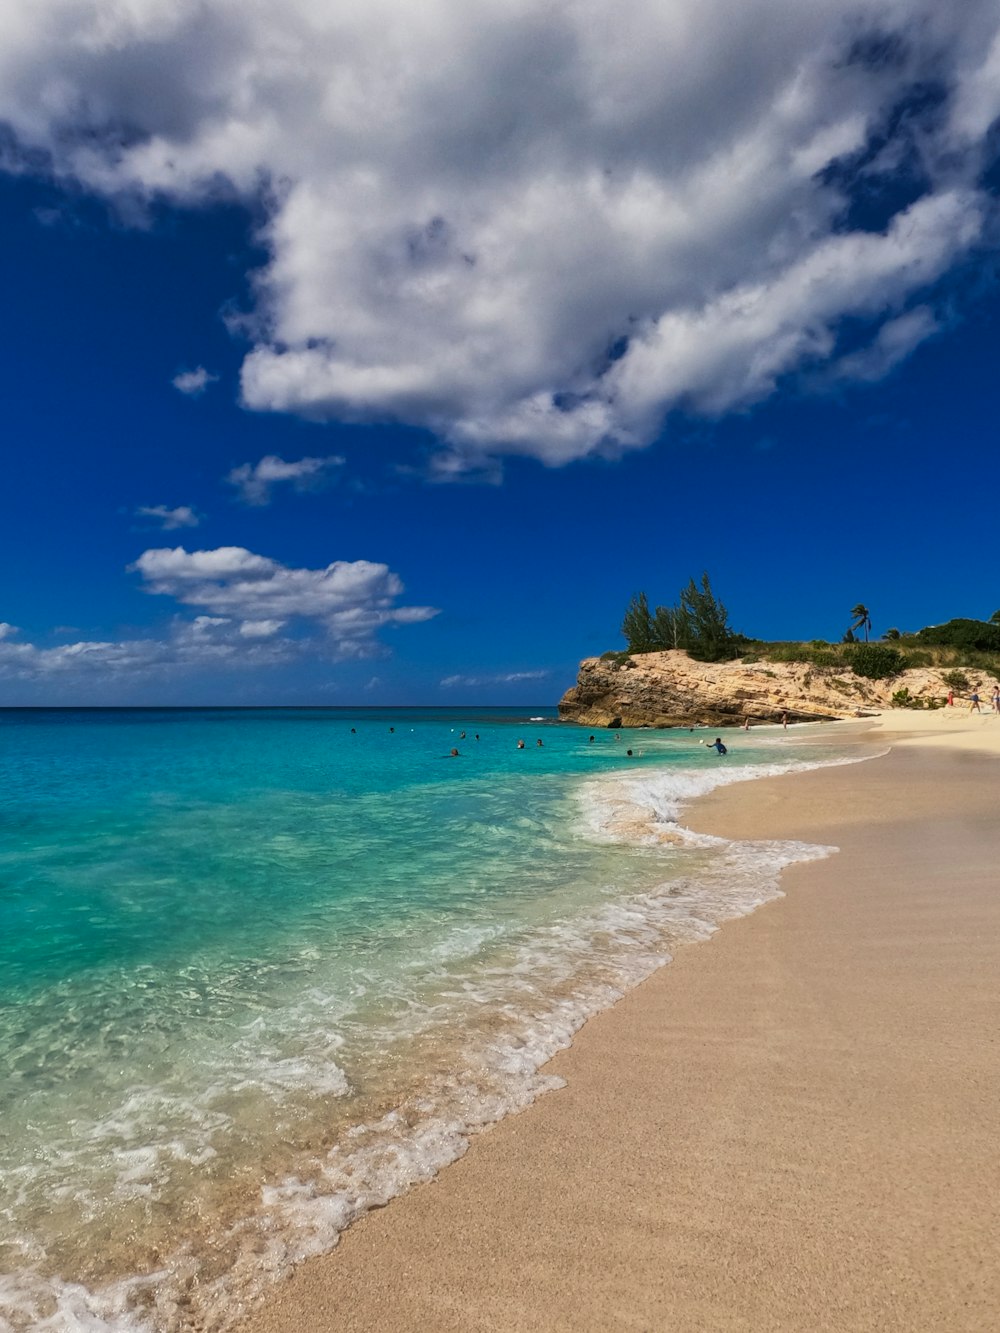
x=671, y=690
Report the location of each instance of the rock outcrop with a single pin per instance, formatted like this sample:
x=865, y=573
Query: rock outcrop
x=672, y=690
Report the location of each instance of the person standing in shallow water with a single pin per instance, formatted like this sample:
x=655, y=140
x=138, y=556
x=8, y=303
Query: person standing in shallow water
x=717, y=746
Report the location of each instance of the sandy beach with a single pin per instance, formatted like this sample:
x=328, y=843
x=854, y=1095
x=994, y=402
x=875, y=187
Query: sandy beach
x=791, y=1127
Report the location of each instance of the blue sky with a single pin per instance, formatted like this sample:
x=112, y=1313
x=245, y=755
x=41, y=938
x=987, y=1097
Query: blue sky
x=796, y=392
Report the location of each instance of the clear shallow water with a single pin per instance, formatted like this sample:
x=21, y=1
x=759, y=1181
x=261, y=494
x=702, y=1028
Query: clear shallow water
x=258, y=973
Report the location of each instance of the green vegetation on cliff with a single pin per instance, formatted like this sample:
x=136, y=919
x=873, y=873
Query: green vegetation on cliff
x=699, y=625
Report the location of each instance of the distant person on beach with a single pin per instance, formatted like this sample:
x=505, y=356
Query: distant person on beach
x=784, y=720
x=951, y=698
x=995, y=698
x=746, y=725
x=974, y=703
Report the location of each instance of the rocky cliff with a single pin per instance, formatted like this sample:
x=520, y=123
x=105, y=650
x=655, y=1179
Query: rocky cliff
x=671, y=690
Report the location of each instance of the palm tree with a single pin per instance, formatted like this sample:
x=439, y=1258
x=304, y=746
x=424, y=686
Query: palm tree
x=862, y=620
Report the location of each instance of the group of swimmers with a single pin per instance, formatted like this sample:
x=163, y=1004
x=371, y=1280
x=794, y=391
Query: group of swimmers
x=716, y=745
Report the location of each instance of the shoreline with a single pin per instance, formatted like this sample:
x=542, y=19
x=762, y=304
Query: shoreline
x=627, y=1199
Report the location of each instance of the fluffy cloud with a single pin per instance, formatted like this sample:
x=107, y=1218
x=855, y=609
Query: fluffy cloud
x=537, y=229
x=255, y=481
x=193, y=382
x=508, y=678
x=202, y=643
x=170, y=519
x=244, y=602
x=350, y=600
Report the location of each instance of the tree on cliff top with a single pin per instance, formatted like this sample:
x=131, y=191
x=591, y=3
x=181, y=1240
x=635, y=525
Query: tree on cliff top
x=637, y=627
x=699, y=624
x=712, y=639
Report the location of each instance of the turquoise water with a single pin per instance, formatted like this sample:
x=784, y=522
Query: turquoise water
x=260, y=969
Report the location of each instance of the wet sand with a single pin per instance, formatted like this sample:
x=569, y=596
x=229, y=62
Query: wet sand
x=793, y=1126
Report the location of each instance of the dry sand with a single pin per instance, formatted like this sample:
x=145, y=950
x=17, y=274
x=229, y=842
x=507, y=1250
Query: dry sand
x=793, y=1127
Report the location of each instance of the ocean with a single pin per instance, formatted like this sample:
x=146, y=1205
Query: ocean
x=263, y=969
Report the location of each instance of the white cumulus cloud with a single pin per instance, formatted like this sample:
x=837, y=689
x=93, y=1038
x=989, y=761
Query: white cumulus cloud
x=350, y=599
x=254, y=482
x=260, y=629
x=194, y=382
x=241, y=602
x=170, y=519
x=535, y=229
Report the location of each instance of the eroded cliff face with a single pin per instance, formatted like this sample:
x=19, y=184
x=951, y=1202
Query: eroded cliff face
x=672, y=690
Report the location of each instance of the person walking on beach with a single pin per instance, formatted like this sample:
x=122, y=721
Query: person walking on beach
x=974, y=703
x=951, y=698
x=995, y=698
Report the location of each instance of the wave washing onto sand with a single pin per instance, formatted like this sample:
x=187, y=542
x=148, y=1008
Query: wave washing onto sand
x=521, y=998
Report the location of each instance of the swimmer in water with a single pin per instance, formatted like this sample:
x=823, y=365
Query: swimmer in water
x=539, y=741
x=520, y=745
x=453, y=754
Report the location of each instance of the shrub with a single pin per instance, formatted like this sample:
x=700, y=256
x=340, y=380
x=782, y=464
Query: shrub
x=825, y=657
x=970, y=635
x=904, y=699
x=876, y=662
x=956, y=680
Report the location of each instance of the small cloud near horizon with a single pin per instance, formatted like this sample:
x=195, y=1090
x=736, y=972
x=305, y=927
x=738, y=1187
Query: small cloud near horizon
x=255, y=482
x=6, y=629
x=502, y=678
x=194, y=382
x=169, y=519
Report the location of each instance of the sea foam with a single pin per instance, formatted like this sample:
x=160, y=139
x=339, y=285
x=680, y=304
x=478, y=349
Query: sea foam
x=458, y=1047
